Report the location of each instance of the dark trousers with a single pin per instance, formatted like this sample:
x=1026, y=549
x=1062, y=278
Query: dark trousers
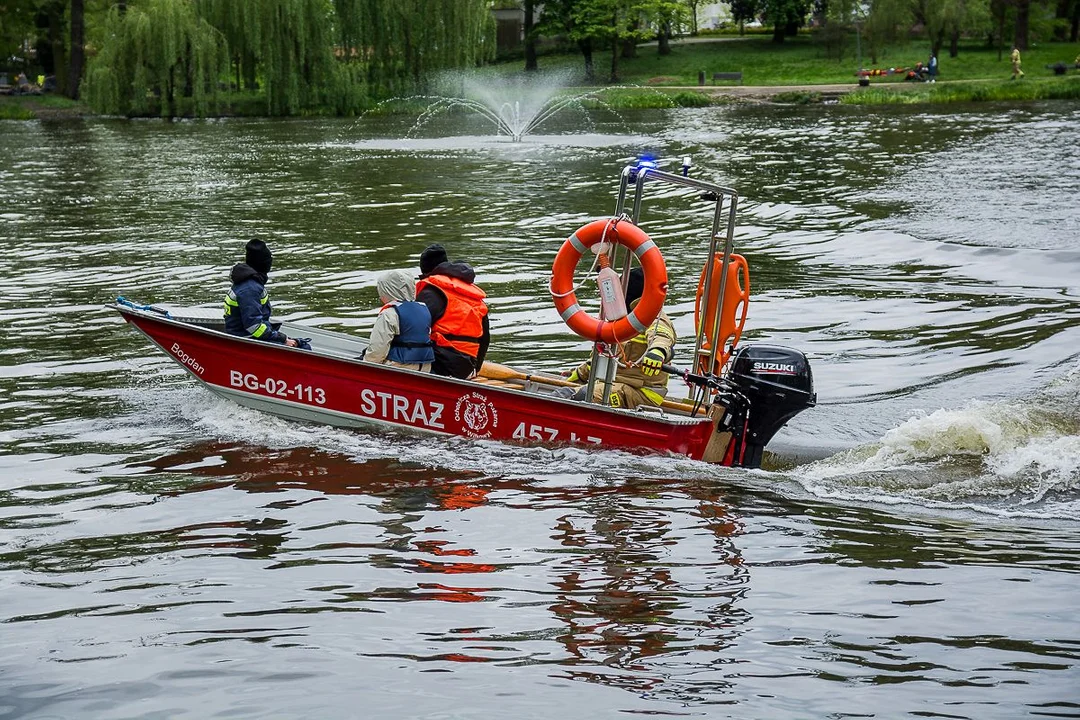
x=453, y=363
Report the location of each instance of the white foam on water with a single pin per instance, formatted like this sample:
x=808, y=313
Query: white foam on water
x=1010, y=458
x=196, y=414
x=502, y=143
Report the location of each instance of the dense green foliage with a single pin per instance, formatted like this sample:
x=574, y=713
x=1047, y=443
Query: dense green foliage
x=152, y=55
x=803, y=60
x=171, y=56
x=287, y=57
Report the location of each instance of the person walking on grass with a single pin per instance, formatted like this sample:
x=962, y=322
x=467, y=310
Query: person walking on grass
x=1016, y=71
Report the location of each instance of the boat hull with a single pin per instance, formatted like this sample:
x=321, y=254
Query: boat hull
x=336, y=389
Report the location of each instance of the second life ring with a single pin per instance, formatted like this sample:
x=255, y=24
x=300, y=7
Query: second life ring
x=732, y=314
x=625, y=233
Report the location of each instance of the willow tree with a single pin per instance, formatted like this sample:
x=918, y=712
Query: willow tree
x=398, y=43
x=946, y=19
x=283, y=47
x=152, y=54
x=77, y=21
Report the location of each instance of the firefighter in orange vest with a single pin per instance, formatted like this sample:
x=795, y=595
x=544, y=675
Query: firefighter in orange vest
x=459, y=316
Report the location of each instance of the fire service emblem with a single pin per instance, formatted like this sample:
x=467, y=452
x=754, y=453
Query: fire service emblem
x=476, y=414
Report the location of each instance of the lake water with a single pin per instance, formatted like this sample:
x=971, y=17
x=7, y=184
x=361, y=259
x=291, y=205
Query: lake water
x=911, y=550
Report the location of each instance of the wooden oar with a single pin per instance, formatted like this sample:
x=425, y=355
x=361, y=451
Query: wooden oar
x=495, y=371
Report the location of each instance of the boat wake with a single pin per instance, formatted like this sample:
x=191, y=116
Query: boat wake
x=1010, y=458
x=201, y=416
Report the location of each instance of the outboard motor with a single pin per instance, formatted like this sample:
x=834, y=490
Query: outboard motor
x=777, y=384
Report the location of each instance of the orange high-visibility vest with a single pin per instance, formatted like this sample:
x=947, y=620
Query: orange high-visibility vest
x=461, y=326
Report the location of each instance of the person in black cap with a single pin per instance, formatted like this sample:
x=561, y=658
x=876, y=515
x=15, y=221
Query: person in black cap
x=459, y=315
x=431, y=258
x=247, y=305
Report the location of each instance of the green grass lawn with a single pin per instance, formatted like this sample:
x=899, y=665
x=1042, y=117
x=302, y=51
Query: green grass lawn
x=801, y=61
x=28, y=107
x=1029, y=88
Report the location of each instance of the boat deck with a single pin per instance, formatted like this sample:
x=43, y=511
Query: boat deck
x=350, y=347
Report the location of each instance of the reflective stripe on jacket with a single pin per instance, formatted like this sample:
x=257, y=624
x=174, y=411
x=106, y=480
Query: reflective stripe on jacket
x=461, y=327
x=660, y=334
x=247, y=312
x=413, y=342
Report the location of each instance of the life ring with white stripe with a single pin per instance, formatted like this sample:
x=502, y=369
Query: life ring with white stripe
x=625, y=233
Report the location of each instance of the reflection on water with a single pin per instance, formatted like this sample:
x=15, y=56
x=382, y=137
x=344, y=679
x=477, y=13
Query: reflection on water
x=913, y=552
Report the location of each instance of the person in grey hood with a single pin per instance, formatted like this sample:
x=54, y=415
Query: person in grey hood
x=402, y=332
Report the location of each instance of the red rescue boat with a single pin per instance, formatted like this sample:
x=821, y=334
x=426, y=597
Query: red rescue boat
x=728, y=419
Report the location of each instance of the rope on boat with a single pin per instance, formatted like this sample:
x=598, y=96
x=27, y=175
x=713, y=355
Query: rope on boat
x=613, y=222
x=121, y=300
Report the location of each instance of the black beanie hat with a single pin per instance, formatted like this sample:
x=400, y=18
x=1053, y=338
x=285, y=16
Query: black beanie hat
x=258, y=256
x=433, y=255
x=635, y=285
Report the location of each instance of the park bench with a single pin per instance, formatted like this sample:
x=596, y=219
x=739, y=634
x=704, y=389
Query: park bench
x=734, y=76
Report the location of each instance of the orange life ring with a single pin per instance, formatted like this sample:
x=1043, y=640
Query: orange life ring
x=732, y=314
x=625, y=233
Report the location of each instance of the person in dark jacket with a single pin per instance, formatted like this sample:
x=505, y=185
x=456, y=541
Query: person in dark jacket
x=402, y=332
x=459, y=315
x=247, y=305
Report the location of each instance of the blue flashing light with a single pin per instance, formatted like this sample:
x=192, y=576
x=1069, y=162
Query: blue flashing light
x=645, y=161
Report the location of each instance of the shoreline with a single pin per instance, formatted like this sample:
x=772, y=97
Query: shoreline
x=53, y=107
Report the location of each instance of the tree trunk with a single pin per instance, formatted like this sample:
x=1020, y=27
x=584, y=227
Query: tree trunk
x=78, y=49
x=169, y=100
x=663, y=43
x=530, y=37
x=1023, y=12
x=55, y=13
x=121, y=6
x=586, y=51
x=778, y=33
x=693, y=20
x=629, y=44
x=1061, y=12
x=1001, y=31
x=1074, y=32
x=251, y=82
x=614, y=60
